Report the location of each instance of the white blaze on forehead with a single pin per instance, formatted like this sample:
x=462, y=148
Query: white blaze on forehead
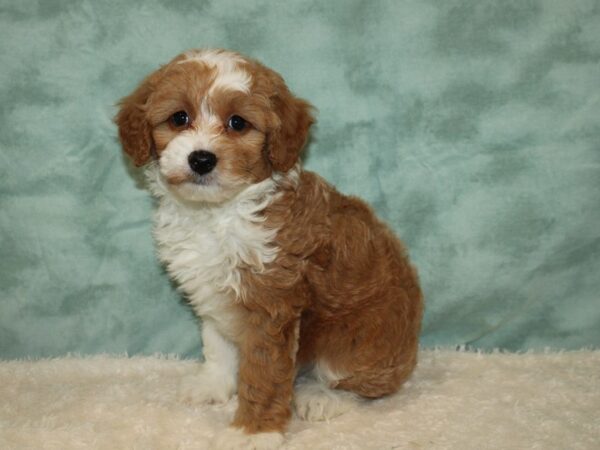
x=229, y=73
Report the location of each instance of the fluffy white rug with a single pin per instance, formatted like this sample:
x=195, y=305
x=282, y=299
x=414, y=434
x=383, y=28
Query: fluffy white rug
x=455, y=400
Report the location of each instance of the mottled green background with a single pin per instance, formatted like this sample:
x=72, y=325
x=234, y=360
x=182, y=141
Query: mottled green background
x=471, y=126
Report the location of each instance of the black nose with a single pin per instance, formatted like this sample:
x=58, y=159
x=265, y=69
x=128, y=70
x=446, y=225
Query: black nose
x=202, y=161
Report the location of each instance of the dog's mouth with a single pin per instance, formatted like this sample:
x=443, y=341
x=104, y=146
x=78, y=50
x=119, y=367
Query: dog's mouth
x=213, y=187
x=192, y=179
x=208, y=179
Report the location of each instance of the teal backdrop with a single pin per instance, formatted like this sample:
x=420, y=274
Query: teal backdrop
x=471, y=126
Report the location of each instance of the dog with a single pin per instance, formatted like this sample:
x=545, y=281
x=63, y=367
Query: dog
x=306, y=298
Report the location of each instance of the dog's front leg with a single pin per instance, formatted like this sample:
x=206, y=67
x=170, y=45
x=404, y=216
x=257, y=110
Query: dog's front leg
x=265, y=384
x=215, y=381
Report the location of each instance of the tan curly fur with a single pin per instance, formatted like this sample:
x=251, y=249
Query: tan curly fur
x=340, y=291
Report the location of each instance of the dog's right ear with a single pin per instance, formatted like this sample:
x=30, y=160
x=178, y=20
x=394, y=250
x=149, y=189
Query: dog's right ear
x=134, y=130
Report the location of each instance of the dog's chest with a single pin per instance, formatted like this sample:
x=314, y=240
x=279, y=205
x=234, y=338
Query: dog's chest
x=204, y=248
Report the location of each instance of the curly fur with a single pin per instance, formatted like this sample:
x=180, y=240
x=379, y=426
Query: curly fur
x=287, y=273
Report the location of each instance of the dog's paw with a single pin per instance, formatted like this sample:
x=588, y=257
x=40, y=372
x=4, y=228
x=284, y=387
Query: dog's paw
x=207, y=386
x=236, y=439
x=315, y=402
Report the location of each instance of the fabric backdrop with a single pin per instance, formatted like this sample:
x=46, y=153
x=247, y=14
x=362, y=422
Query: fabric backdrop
x=471, y=126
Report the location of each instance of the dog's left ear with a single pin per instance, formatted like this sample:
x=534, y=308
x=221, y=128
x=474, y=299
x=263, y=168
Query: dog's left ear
x=286, y=140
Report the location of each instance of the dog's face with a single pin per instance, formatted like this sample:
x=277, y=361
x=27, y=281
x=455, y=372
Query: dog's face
x=216, y=121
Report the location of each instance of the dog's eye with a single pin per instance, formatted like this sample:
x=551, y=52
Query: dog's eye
x=236, y=123
x=180, y=119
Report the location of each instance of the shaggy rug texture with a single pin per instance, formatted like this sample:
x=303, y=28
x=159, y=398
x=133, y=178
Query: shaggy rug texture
x=457, y=400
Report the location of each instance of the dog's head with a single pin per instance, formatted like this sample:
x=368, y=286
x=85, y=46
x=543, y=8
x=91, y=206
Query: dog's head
x=216, y=121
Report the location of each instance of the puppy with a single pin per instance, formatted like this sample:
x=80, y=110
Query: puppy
x=286, y=273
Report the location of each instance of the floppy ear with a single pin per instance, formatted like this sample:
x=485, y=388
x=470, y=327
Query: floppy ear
x=134, y=129
x=286, y=140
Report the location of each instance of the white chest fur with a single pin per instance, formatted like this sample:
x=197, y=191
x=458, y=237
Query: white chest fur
x=204, y=245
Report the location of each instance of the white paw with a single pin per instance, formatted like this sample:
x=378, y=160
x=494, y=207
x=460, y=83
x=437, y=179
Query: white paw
x=315, y=402
x=236, y=439
x=209, y=385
